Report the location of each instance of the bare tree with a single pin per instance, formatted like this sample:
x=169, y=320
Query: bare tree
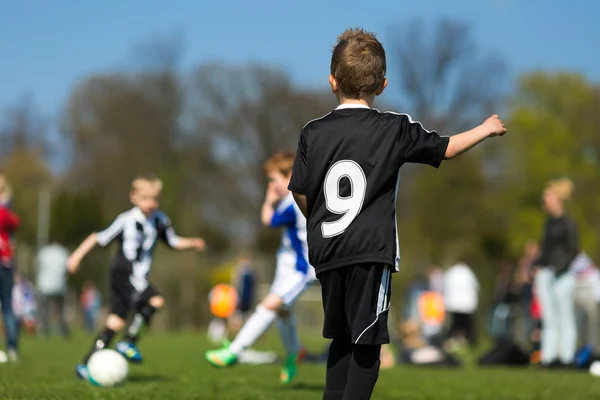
x=444, y=78
x=243, y=115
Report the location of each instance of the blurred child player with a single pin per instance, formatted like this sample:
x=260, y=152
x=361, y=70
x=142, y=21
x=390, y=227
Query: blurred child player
x=137, y=232
x=292, y=275
x=344, y=180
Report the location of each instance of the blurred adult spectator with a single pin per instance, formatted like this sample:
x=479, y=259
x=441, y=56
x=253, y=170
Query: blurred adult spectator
x=90, y=305
x=587, y=295
x=461, y=299
x=9, y=222
x=24, y=304
x=52, y=285
x=555, y=282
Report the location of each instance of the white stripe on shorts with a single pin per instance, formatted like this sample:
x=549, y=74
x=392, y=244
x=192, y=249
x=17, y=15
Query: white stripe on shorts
x=383, y=303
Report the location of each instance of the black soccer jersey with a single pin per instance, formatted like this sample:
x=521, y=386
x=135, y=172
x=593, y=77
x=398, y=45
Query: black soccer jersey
x=347, y=165
x=137, y=236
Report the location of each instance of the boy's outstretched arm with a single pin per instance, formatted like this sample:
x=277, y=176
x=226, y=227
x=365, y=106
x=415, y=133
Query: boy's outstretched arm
x=102, y=238
x=190, y=243
x=84, y=248
x=301, y=202
x=462, y=142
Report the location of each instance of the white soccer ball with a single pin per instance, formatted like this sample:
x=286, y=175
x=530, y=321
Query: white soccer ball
x=595, y=368
x=108, y=368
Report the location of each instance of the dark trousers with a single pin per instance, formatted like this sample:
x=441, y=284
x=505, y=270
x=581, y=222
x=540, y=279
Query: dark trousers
x=56, y=301
x=462, y=325
x=10, y=322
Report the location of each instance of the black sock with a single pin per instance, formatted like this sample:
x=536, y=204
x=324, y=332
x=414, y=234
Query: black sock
x=102, y=341
x=141, y=318
x=338, y=362
x=363, y=372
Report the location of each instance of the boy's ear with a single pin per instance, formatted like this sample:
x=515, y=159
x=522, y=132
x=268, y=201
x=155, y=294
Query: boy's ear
x=383, y=86
x=333, y=83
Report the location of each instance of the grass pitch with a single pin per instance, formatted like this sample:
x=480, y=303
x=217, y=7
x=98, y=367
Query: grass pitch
x=175, y=369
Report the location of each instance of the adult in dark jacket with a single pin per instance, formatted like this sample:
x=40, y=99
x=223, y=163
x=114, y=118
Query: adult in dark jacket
x=554, y=282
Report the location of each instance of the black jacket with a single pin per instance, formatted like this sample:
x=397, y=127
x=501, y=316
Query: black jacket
x=560, y=244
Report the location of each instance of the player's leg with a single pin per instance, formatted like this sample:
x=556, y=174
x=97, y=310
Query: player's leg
x=296, y=284
x=367, y=306
x=253, y=329
x=150, y=302
x=120, y=303
x=336, y=327
x=114, y=324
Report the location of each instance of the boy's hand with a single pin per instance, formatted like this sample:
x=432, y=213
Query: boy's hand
x=197, y=244
x=73, y=264
x=494, y=126
x=272, y=196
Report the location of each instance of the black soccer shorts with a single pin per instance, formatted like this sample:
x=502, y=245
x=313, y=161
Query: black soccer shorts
x=124, y=298
x=356, y=301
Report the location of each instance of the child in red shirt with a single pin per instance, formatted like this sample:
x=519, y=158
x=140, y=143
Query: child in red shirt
x=9, y=222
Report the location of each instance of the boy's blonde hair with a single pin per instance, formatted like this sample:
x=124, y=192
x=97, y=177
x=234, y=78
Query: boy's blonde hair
x=5, y=189
x=358, y=63
x=148, y=180
x=562, y=188
x=281, y=162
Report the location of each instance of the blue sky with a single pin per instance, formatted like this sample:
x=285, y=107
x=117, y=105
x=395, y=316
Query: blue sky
x=48, y=46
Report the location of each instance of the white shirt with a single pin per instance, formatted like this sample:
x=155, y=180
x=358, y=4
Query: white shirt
x=461, y=289
x=52, y=269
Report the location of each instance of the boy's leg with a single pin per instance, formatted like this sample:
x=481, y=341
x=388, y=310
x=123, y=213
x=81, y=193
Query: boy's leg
x=335, y=326
x=149, y=302
x=368, y=294
x=290, y=290
x=114, y=323
x=253, y=329
x=286, y=323
x=120, y=304
x=286, y=278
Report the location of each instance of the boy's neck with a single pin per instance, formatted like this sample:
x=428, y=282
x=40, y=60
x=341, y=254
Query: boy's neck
x=365, y=101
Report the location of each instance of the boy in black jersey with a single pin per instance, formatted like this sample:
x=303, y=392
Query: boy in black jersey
x=344, y=180
x=137, y=232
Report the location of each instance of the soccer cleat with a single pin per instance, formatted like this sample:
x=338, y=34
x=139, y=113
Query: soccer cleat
x=288, y=371
x=130, y=352
x=83, y=373
x=221, y=358
x=3, y=357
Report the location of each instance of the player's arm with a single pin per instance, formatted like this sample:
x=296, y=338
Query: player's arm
x=301, y=202
x=299, y=173
x=459, y=144
x=419, y=145
x=102, y=238
x=268, y=208
x=167, y=235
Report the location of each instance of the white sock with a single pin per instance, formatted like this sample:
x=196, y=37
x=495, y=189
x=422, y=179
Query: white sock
x=289, y=333
x=255, y=326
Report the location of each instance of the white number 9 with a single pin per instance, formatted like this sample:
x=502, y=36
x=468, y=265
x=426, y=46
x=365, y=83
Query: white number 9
x=349, y=206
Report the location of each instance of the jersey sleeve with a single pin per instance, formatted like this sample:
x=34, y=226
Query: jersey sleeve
x=299, y=173
x=166, y=233
x=419, y=145
x=285, y=214
x=103, y=238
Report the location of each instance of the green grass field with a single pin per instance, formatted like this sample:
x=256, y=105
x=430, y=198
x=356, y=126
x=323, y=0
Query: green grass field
x=175, y=369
